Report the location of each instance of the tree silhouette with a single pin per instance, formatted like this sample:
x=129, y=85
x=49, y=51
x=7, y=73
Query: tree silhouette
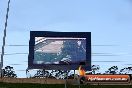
x=61, y=74
x=112, y=70
x=56, y=74
x=126, y=70
x=8, y=71
x=41, y=74
x=95, y=68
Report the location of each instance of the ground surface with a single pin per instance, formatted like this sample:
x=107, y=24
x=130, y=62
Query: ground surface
x=26, y=85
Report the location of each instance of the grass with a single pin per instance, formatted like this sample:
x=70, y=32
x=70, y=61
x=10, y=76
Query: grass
x=27, y=85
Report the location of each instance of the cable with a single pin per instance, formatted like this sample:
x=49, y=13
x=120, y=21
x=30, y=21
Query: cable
x=16, y=53
x=93, y=54
x=15, y=45
x=29, y=45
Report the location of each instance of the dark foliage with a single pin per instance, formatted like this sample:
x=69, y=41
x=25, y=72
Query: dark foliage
x=8, y=71
x=95, y=68
x=126, y=70
x=112, y=70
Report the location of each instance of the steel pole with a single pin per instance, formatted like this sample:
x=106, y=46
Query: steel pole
x=4, y=37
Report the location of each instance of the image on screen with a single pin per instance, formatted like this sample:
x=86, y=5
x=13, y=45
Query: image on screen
x=59, y=50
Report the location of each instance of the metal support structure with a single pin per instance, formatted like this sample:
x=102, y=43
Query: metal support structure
x=3, y=46
x=0, y=70
x=66, y=75
x=74, y=74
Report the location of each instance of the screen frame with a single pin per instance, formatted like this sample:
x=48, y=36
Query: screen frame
x=34, y=34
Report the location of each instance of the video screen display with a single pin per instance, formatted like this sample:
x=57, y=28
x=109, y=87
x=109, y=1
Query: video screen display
x=66, y=51
x=59, y=50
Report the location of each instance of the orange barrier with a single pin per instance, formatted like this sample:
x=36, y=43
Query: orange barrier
x=108, y=78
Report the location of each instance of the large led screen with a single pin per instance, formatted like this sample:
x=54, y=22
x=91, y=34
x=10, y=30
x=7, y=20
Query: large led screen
x=49, y=50
x=59, y=50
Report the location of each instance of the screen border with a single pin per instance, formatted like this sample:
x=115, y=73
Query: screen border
x=34, y=34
